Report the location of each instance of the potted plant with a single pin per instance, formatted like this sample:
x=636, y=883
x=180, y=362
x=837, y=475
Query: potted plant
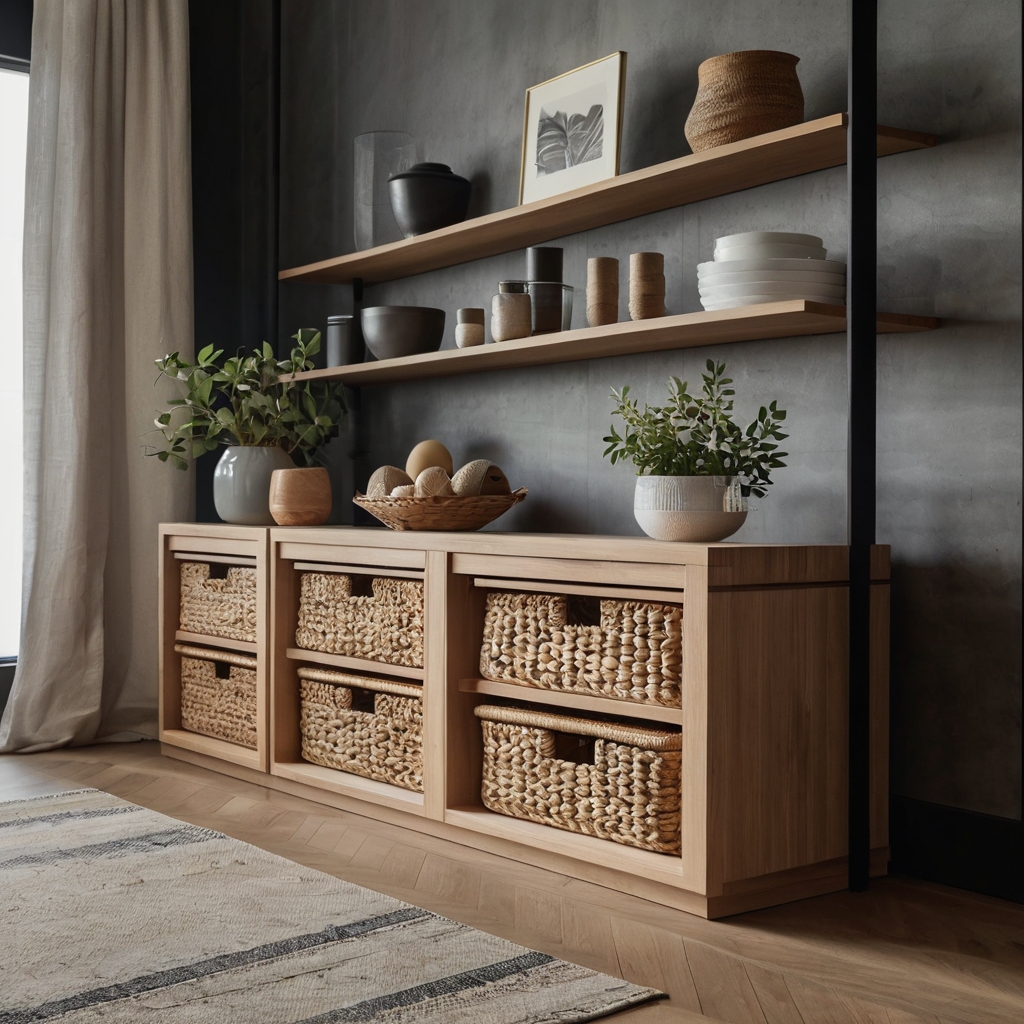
x=695, y=465
x=266, y=421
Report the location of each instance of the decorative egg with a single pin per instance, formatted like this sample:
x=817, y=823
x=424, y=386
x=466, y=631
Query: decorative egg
x=433, y=481
x=470, y=478
x=385, y=480
x=404, y=491
x=495, y=482
x=425, y=455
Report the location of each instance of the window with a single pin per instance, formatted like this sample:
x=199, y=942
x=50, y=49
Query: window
x=13, y=137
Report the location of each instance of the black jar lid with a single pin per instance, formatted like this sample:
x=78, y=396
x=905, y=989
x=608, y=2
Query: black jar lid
x=425, y=170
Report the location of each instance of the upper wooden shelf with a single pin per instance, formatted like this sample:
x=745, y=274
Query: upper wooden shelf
x=811, y=146
x=687, y=330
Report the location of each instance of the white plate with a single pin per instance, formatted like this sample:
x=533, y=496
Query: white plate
x=739, y=266
x=769, y=251
x=783, y=290
x=773, y=237
x=788, y=276
x=757, y=300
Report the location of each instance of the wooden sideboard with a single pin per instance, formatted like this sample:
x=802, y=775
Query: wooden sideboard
x=763, y=719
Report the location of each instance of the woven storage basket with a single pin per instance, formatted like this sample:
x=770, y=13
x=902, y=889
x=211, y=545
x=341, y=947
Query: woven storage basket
x=222, y=708
x=630, y=794
x=385, y=744
x=743, y=94
x=387, y=627
x=634, y=654
x=225, y=608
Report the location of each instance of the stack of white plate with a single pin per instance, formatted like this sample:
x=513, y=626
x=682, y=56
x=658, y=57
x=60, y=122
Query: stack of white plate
x=769, y=266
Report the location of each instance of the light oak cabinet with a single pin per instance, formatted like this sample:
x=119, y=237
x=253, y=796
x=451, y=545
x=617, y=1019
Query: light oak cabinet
x=763, y=719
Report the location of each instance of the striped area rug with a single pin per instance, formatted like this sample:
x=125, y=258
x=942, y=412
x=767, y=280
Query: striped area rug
x=111, y=912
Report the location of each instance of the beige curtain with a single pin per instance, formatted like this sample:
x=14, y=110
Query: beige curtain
x=108, y=289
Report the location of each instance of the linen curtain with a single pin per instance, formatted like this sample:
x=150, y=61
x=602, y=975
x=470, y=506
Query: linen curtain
x=108, y=289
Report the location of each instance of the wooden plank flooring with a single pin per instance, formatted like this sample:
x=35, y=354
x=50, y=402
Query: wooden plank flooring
x=904, y=953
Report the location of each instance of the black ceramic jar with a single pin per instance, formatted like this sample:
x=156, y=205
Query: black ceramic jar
x=427, y=197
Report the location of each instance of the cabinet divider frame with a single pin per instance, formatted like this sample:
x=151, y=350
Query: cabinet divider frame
x=763, y=713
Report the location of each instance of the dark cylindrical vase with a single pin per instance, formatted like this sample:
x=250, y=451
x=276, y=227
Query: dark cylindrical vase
x=544, y=263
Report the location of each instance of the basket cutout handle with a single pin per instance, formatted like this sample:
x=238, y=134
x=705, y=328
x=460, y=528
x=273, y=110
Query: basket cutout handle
x=572, y=747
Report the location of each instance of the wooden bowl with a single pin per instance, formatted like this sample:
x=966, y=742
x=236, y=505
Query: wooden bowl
x=437, y=513
x=300, y=497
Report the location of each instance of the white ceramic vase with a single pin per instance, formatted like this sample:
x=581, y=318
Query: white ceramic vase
x=699, y=509
x=241, y=483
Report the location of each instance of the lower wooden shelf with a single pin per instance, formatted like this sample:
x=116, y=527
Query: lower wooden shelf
x=569, y=702
x=686, y=330
x=658, y=867
x=212, y=747
x=347, y=784
x=354, y=664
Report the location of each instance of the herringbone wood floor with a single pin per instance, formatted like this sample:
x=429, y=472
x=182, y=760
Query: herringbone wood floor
x=903, y=953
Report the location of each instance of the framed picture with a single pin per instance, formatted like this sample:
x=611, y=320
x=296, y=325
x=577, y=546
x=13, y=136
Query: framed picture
x=572, y=129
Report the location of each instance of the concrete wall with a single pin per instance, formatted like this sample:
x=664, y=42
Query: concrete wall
x=453, y=73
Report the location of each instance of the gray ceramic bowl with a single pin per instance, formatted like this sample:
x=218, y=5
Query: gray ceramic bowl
x=394, y=331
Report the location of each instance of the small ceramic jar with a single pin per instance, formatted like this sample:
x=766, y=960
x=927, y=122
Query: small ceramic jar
x=602, y=291
x=511, y=316
x=469, y=327
x=646, y=285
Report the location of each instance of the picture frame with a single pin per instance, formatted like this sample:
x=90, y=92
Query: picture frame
x=572, y=129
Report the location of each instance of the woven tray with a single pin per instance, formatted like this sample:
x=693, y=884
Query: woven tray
x=448, y=514
x=385, y=744
x=225, y=608
x=629, y=795
x=387, y=627
x=634, y=654
x=214, y=706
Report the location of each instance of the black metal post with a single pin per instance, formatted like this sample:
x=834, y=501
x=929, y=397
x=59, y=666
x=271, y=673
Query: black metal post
x=861, y=369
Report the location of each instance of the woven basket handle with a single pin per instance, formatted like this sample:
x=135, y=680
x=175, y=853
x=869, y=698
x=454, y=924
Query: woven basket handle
x=633, y=735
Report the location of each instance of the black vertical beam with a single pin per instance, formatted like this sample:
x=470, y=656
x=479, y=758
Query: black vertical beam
x=861, y=370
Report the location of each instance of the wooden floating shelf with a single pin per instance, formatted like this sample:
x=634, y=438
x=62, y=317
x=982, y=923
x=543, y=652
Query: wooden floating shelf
x=184, y=637
x=686, y=330
x=353, y=664
x=569, y=702
x=811, y=146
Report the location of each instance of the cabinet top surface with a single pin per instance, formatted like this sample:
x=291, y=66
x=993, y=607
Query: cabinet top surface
x=756, y=563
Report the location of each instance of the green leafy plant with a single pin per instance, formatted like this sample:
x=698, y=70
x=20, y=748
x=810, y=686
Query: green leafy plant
x=696, y=435
x=244, y=400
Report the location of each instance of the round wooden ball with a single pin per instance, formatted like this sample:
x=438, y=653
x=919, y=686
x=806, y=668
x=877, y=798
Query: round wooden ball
x=427, y=454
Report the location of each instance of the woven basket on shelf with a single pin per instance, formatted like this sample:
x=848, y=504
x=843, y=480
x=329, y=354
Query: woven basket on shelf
x=437, y=513
x=743, y=94
x=385, y=744
x=634, y=654
x=629, y=794
x=224, y=708
x=387, y=627
x=225, y=608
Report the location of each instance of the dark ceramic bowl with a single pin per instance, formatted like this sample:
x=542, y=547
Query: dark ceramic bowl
x=427, y=197
x=394, y=331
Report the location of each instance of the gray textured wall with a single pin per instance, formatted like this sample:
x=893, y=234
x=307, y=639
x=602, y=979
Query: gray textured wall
x=453, y=73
